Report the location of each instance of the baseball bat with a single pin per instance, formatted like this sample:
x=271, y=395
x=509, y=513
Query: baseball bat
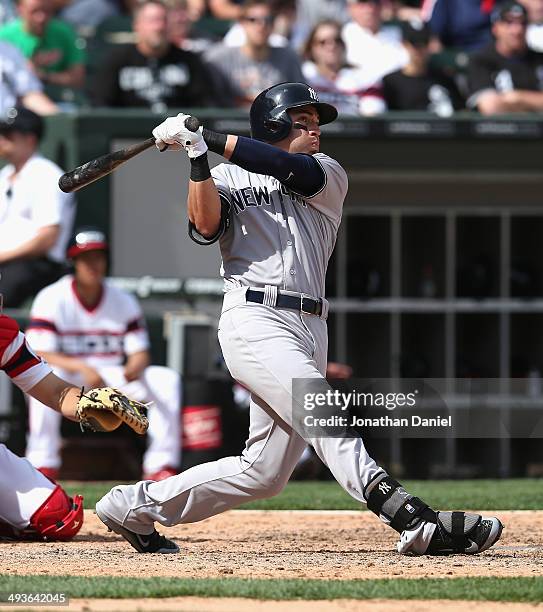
x=102, y=166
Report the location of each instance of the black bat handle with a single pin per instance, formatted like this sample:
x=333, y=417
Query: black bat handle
x=192, y=124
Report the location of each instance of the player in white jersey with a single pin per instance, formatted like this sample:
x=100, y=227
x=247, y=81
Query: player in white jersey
x=276, y=210
x=33, y=507
x=85, y=327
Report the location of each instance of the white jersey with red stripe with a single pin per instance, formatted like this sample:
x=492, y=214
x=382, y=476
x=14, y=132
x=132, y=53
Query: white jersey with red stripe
x=17, y=359
x=102, y=336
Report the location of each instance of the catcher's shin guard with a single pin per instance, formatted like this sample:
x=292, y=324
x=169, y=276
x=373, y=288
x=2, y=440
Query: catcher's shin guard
x=394, y=505
x=59, y=518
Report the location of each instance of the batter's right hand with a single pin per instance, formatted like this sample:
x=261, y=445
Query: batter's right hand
x=174, y=133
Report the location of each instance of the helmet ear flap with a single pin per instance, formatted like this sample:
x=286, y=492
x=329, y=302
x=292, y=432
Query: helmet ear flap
x=277, y=129
x=273, y=125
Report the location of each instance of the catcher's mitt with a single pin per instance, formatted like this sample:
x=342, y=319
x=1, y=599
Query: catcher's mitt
x=105, y=408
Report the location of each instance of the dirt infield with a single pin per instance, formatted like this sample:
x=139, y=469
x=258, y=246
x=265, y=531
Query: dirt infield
x=278, y=544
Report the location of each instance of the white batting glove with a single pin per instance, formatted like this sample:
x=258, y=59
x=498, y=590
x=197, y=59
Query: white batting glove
x=176, y=135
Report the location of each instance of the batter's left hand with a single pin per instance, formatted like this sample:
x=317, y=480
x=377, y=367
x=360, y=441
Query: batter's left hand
x=174, y=133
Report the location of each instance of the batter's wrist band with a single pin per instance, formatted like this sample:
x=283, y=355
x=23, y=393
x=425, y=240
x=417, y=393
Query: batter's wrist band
x=215, y=142
x=199, y=169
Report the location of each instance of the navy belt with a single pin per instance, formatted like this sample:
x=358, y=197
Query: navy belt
x=301, y=302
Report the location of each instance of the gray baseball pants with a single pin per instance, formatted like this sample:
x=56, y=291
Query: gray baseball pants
x=264, y=350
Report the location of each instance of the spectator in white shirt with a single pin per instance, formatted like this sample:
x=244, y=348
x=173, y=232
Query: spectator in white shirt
x=375, y=49
x=35, y=216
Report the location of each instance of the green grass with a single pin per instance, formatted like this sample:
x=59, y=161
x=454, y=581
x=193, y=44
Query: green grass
x=481, y=589
x=511, y=494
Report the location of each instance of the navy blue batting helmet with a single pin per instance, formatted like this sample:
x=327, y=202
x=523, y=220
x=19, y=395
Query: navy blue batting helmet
x=269, y=118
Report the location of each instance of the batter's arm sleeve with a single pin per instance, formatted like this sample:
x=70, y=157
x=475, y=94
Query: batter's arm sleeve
x=297, y=171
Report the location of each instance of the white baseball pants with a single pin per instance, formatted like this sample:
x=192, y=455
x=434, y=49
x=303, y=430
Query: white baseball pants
x=159, y=385
x=22, y=489
x=264, y=350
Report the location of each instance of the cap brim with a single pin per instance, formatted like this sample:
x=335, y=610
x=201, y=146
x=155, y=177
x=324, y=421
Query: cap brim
x=76, y=250
x=327, y=112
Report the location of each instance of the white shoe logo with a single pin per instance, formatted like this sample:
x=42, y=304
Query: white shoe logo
x=143, y=542
x=384, y=488
x=473, y=547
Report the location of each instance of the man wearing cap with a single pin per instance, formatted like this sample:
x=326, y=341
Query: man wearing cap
x=93, y=333
x=416, y=86
x=507, y=76
x=35, y=216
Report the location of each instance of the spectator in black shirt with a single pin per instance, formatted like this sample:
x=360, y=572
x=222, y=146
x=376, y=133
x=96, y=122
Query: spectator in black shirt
x=507, y=76
x=417, y=87
x=152, y=73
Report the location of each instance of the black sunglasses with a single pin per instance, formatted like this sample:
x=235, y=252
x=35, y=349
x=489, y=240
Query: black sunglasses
x=264, y=20
x=325, y=41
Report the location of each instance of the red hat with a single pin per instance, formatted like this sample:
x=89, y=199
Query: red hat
x=87, y=239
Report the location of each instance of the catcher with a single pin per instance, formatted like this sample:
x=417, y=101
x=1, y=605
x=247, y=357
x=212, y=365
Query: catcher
x=33, y=507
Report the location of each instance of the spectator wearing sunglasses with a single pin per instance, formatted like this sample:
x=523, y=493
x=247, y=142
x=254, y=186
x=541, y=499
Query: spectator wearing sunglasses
x=256, y=65
x=337, y=83
x=375, y=49
x=507, y=76
x=418, y=87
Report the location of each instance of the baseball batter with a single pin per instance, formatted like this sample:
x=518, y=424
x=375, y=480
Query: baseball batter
x=85, y=327
x=31, y=505
x=276, y=210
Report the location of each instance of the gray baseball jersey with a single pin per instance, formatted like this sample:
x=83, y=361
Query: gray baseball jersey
x=277, y=237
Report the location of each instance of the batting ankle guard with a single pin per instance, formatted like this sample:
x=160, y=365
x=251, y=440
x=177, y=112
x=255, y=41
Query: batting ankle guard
x=394, y=505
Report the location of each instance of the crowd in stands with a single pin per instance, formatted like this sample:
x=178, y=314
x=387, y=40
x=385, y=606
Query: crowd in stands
x=365, y=56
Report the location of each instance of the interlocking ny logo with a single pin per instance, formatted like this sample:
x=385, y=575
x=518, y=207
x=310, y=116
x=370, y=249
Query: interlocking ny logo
x=313, y=94
x=384, y=487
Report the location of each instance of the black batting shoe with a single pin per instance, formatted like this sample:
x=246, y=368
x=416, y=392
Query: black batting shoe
x=462, y=533
x=152, y=543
